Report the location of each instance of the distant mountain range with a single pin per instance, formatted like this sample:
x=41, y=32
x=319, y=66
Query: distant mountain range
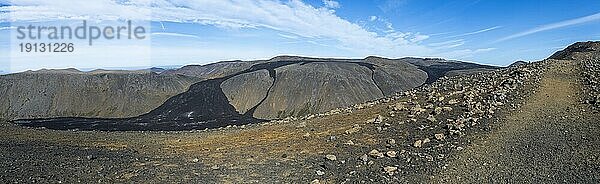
x=219, y=94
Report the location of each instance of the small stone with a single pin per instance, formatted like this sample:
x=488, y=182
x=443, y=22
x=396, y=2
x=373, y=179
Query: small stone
x=431, y=118
x=349, y=142
x=316, y=181
x=391, y=154
x=375, y=153
x=380, y=118
x=332, y=138
x=399, y=107
x=376, y=120
x=439, y=136
x=320, y=173
x=426, y=140
x=390, y=169
x=196, y=160
x=355, y=128
x=331, y=157
x=418, y=143
x=391, y=141
x=215, y=167
x=438, y=110
x=364, y=158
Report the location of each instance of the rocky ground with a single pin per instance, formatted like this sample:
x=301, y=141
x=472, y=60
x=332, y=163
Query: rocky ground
x=532, y=123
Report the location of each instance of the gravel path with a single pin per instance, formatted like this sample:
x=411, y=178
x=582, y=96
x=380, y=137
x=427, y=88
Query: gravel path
x=552, y=139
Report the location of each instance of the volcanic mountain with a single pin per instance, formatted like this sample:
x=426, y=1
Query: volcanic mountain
x=226, y=93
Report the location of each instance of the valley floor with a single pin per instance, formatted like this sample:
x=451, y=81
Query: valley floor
x=551, y=138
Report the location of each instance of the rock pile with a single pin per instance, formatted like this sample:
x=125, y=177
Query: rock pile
x=462, y=102
x=434, y=117
x=591, y=73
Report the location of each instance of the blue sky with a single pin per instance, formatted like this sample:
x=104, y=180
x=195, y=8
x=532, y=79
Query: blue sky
x=496, y=32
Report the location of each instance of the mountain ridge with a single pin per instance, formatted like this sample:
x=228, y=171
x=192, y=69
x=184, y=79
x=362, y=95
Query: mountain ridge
x=300, y=86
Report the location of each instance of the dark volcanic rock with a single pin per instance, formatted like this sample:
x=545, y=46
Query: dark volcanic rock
x=211, y=71
x=517, y=63
x=575, y=48
x=437, y=68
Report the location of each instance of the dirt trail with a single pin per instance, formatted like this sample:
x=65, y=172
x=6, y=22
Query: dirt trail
x=552, y=139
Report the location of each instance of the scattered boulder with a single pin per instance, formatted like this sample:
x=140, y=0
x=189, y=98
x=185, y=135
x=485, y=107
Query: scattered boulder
x=440, y=136
x=391, y=154
x=375, y=153
x=331, y=157
x=418, y=144
x=390, y=170
x=320, y=173
x=364, y=158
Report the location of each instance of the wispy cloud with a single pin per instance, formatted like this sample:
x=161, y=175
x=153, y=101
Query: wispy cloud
x=557, y=25
x=7, y=28
x=448, y=44
x=466, y=53
x=292, y=17
x=175, y=35
x=476, y=32
x=288, y=36
x=390, y=5
x=331, y=4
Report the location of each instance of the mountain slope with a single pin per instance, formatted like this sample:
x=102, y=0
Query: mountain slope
x=70, y=93
x=271, y=89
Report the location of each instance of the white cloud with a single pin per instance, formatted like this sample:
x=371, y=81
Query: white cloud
x=7, y=28
x=175, y=35
x=293, y=17
x=557, y=25
x=331, y=4
x=419, y=37
x=288, y=36
x=448, y=44
x=465, y=53
x=477, y=32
